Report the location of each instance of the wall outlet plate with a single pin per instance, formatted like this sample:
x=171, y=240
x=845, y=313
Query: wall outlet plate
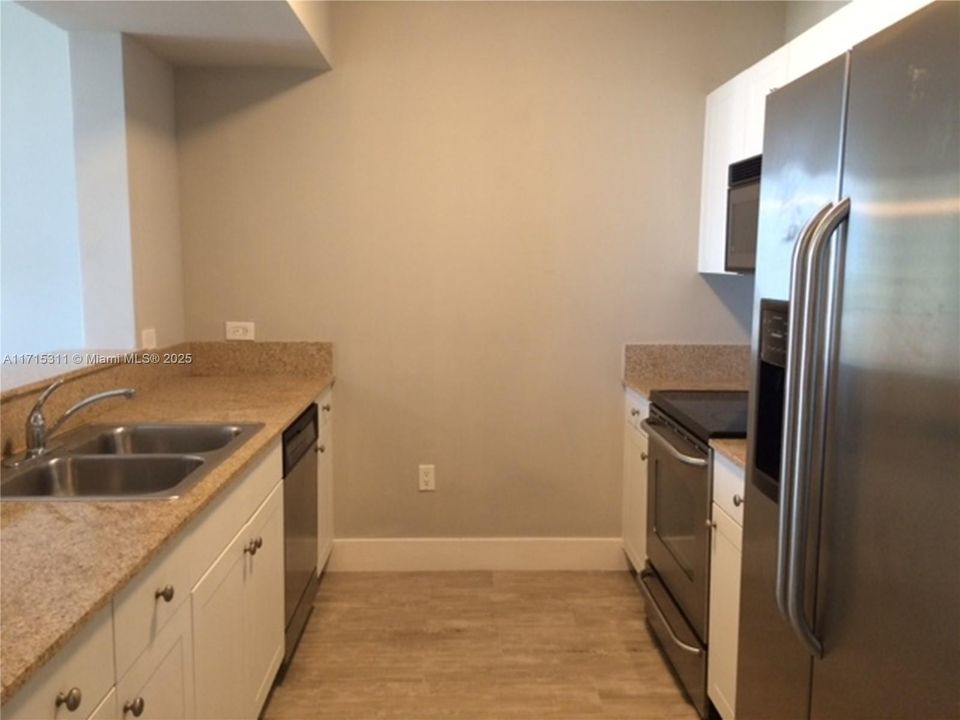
x=148, y=338
x=427, y=478
x=236, y=330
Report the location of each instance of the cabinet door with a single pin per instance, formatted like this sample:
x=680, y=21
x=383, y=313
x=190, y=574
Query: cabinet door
x=635, y=496
x=107, y=709
x=725, y=562
x=767, y=75
x=161, y=680
x=723, y=142
x=324, y=496
x=218, y=642
x=263, y=620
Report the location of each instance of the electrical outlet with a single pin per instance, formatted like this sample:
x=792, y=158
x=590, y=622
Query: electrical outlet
x=239, y=330
x=428, y=480
x=148, y=338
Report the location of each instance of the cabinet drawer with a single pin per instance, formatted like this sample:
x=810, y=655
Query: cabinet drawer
x=728, y=486
x=143, y=608
x=84, y=665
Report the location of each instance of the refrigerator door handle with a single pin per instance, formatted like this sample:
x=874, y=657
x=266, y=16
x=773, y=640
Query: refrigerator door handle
x=795, y=338
x=800, y=490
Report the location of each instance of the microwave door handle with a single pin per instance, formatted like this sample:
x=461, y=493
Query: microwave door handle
x=788, y=438
x=808, y=385
x=668, y=446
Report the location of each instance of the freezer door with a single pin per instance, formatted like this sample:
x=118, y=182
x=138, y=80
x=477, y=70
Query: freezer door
x=888, y=595
x=801, y=160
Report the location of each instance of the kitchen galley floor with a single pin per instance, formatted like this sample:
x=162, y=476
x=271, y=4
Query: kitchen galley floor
x=478, y=645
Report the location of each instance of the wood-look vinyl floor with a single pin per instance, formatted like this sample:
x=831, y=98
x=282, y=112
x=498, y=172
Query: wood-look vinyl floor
x=478, y=646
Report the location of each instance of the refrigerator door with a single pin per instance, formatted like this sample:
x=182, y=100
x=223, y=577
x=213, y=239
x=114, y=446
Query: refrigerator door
x=801, y=169
x=888, y=594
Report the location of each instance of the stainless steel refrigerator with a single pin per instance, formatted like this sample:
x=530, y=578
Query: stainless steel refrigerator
x=850, y=594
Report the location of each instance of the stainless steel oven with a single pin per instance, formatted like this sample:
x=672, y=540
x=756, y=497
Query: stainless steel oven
x=676, y=582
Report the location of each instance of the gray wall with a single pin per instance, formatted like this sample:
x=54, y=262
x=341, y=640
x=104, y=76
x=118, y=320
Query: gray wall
x=804, y=14
x=479, y=206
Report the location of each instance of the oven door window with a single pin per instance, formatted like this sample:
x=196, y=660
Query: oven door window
x=679, y=503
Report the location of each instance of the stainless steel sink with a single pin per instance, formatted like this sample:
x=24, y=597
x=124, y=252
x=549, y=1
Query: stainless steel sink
x=158, y=439
x=87, y=476
x=137, y=461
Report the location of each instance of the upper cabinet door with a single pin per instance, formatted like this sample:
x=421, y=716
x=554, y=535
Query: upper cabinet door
x=723, y=143
x=760, y=80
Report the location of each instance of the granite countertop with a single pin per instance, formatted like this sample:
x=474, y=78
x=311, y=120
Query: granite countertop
x=102, y=546
x=685, y=367
x=733, y=448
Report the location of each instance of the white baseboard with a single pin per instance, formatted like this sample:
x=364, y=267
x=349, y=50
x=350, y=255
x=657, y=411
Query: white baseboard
x=425, y=554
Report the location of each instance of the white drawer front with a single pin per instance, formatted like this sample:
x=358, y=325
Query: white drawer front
x=143, y=608
x=85, y=664
x=728, y=486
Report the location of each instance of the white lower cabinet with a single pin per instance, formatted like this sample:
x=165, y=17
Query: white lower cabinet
x=325, y=481
x=263, y=617
x=199, y=633
x=160, y=683
x=107, y=709
x=75, y=681
x=725, y=566
x=634, y=520
x=238, y=618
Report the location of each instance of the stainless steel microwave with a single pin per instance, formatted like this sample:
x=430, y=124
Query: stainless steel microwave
x=743, y=209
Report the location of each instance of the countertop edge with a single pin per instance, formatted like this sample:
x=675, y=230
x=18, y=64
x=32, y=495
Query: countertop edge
x=11, y=686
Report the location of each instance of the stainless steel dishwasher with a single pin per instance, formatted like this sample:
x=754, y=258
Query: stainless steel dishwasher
x=299, y=525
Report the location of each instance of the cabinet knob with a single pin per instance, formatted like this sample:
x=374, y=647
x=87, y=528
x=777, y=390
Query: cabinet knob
x=737, y=501
x=166, y=592
x=321, y=448
x=710, y=524
x=259, y=542
x=643, y=456
x=326, y=408
x=134, y=707
x=251, y=547
x=634, y=412
x=71, y=698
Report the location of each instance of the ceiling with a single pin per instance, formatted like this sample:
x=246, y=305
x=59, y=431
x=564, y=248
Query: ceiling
x=198, y=33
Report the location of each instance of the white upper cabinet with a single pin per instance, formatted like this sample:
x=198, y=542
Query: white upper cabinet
x=733, y=125
x=758, y=82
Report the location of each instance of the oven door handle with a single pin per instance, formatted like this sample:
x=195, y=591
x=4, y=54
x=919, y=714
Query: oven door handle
x=686, y=647
x=682, y=457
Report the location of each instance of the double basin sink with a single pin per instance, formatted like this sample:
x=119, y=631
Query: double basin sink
x=125, y=462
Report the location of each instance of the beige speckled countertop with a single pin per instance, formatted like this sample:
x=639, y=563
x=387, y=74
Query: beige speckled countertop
x=733, y=448
x=103, y=545
x=685, y=367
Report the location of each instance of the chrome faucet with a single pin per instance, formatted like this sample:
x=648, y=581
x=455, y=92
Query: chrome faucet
x=37, y=430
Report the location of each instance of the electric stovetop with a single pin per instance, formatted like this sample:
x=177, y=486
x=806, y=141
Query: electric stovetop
x=705, y=413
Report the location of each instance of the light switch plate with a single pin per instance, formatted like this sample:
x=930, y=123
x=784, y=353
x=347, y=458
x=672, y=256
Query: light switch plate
x=428, y=478
x=236, y=330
